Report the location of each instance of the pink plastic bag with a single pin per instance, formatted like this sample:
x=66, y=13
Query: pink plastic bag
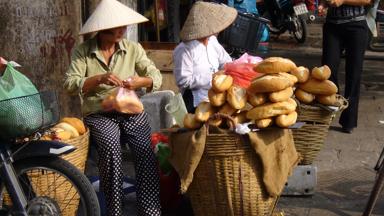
x=242, y=71
x=123, y=100
x=245, y=58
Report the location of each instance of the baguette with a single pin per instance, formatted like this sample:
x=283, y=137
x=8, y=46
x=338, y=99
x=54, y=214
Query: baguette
x=263, y=123
x=317, y=87
x=237, y=97
x=302, y=74
x=304, y=96
x=286, y=120
x=217, y=99
x=328, y=100
x=282, y=95
x=275, y=65
x=221, y=82
x=272, y=109
x=269, y=83
x=321, y=73
x=203, y=111
x=240, y=117
x=257, y=99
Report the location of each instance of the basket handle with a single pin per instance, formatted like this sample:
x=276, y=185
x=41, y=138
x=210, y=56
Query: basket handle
x=221, y=116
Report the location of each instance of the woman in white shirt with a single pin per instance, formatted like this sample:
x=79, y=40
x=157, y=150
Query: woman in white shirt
x=200, y=55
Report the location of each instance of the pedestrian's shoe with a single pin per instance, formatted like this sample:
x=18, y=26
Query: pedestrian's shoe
x=346, y=130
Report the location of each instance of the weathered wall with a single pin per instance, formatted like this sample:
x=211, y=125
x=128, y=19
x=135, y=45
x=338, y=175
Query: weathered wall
x=40, y=35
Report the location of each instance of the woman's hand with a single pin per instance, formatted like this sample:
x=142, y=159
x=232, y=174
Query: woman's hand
x=110, y=79
x=135, y=82
x=335, y=3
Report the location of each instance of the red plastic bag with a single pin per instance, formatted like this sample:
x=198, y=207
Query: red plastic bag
x=242, y=71
x=123, y=100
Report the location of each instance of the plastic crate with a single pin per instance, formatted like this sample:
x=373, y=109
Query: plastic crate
x=244, y=33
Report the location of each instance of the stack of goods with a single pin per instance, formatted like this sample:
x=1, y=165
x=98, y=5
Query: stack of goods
x=315, y=86
x=314, y=89
x=71, y=131
x=271, y=94
x=267, y=100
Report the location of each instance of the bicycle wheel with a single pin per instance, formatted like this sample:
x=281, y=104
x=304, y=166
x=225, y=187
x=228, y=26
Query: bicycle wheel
x=55, y=187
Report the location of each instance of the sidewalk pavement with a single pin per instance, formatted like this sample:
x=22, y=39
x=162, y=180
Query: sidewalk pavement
x=312, y=46
x=345, y=164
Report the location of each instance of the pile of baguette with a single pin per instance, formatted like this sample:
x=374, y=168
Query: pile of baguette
x=269, y=100
x=67, y=128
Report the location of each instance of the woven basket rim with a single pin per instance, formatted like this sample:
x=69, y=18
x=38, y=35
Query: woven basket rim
x=342, y=104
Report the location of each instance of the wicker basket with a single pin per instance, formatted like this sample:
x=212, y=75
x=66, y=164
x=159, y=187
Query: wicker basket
x=228, y=179
x=309, y=139
x=42, y=181
x=79, y=156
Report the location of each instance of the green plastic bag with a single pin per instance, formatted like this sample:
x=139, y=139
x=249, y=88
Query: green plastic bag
x=21, y=107
x=14, y=84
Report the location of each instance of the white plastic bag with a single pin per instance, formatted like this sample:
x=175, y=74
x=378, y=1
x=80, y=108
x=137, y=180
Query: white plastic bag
x=123, y=100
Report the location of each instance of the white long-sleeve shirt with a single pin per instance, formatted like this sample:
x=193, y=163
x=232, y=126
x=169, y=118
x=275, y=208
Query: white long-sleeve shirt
x=194, y=65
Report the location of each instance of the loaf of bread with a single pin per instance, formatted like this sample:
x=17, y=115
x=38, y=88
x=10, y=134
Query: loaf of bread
x=286, y=120
x=190, y=121
x=293, y=79
x=282, y=95
x=275, y=65
x=203, y=111
x=263, y=123
x=227, y=109
x=317, y=87
x=257, y=99
x=241, y=117
x=67, y=127
x=301, y=73
x=272, y=109
x=321, y=73
x=76, y=123
x=237, y=97
x=217, y=99
x=221, y=82
x=269, y=83
x=328, y=100
x=304, y=96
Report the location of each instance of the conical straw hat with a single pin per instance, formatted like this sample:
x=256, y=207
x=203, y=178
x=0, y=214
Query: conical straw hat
x=110, y=14
x=206, y=19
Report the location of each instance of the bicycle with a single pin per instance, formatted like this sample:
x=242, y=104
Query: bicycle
x=378, y=185
x=35, y=180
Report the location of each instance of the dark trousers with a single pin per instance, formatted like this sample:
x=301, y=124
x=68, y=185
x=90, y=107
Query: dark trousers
x=353, y=38
x=188, y=100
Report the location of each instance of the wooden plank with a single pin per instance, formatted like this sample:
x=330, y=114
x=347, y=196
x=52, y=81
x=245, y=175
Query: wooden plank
x=162, y=58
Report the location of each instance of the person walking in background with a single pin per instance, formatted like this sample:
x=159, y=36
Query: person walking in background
x=346, y=28
x=98, y=66
x=200, y=55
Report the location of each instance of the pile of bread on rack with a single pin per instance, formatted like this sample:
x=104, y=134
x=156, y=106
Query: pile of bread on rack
x=269, y=100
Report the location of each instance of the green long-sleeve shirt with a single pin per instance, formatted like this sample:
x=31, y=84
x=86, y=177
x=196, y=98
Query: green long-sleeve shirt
x=87, y=61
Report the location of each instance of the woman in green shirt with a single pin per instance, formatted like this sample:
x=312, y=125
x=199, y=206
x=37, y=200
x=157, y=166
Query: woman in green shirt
x=98, y=66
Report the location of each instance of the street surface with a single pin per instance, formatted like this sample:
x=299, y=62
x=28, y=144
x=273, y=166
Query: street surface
x=345, y=164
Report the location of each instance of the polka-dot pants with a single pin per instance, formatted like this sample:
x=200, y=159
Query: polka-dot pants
x=109, y=131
